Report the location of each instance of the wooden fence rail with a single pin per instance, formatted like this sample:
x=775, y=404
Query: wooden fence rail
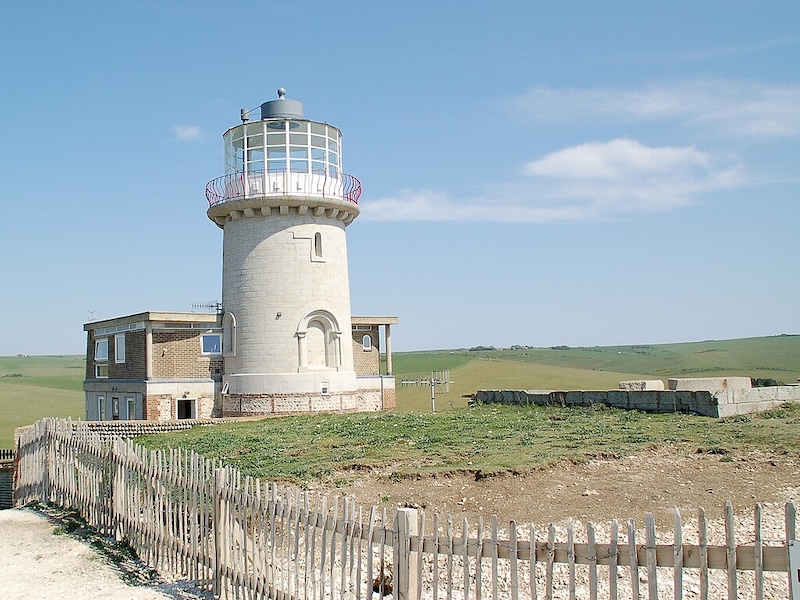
x=189, y=516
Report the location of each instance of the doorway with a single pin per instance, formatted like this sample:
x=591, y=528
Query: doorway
x=187, y=408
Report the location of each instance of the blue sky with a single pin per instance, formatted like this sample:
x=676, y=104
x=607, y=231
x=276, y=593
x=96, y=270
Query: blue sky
x=577, y=173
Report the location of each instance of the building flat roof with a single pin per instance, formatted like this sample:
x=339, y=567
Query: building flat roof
x=195, y=317
x=153, y=316
x=374, y=320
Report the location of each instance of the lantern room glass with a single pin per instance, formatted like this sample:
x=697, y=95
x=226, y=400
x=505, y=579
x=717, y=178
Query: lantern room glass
x=283, y=145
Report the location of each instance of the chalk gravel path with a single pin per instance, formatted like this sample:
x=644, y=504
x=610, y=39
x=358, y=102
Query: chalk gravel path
x=37, y=563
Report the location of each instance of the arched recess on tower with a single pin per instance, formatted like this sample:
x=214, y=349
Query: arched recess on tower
x=319, y=341
x=228, y=335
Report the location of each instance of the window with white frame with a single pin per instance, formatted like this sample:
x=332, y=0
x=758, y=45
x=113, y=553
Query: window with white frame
x=211, y=343
x=101, y=407
x=326, y=388
x=366, y=343
x=119, y=348
x=101, y=349
x=101, y=358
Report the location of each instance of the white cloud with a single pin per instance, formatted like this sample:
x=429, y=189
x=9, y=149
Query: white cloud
x=731, y=108
x=714, y=52
x=592, y=181
x=618, y=159
x=411, y=205
x=187, y=132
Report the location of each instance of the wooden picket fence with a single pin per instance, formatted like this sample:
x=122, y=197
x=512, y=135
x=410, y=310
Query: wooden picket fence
x=192, y=517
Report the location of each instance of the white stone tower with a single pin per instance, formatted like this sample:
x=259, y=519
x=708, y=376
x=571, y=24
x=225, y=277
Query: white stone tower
x=283, y=205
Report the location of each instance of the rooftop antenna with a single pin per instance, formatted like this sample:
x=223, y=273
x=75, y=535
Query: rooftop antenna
x=91, y=314
x=217, y=306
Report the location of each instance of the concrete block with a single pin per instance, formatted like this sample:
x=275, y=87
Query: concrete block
x=618, y=398
x=647, y=401
x=710, y=384
x=576, y=398
x=642, y=385
x=595, y=397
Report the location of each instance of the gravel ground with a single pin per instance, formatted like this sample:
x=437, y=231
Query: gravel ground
x=37, y=563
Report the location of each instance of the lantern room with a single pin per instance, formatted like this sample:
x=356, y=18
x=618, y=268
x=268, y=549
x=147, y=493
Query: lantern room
x=282, y=154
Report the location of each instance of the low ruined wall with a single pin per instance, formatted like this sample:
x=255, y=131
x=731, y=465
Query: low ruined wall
x=744, y=401
x=129, y=429
x=702, y=402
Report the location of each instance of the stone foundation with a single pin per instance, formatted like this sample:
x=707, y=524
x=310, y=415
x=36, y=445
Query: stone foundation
x=242, y=405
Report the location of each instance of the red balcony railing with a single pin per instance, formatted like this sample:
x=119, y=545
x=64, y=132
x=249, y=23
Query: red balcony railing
x=258, y=184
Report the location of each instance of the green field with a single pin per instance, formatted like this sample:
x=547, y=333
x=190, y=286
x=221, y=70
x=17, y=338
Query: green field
x=33, y=387
x=38, y=386
x=484, y=440
x=597, y=368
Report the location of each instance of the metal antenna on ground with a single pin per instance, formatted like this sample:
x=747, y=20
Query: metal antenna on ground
x=439, y=380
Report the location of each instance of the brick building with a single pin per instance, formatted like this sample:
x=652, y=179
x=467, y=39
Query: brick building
x=170, y=365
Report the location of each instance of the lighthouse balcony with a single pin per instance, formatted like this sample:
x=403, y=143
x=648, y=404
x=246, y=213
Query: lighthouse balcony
x=268, y=184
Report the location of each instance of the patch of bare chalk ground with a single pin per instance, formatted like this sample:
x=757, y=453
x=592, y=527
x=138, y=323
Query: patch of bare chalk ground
x=36, y=563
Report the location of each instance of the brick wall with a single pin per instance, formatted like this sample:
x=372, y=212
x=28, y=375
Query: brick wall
x=389, y=398
x=157, y=407
x=176, y=354
x=366, y=362
x=90, y=355
x=135, y=366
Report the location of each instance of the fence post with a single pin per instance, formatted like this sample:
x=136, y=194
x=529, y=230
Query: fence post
x=220, y=480
x=406, y=562
x=791, y=548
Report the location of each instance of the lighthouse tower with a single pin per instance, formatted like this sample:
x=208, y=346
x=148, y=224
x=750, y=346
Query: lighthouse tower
x=283, y=205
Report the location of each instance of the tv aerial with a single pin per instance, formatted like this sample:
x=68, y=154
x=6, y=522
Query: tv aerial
x=217, y=306
x=439, y=381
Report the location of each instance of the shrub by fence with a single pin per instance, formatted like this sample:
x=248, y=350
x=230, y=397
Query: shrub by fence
x=189, y=516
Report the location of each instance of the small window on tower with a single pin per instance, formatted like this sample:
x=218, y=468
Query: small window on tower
x=318, y=245
x=366, y=343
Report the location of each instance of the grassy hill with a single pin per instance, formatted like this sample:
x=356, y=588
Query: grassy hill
x=483, y=441
x=33, y=387
x=38, y=386
x=598, y=368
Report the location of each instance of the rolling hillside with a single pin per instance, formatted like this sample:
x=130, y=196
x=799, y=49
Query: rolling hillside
x=37, y=386
x=776, y=357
